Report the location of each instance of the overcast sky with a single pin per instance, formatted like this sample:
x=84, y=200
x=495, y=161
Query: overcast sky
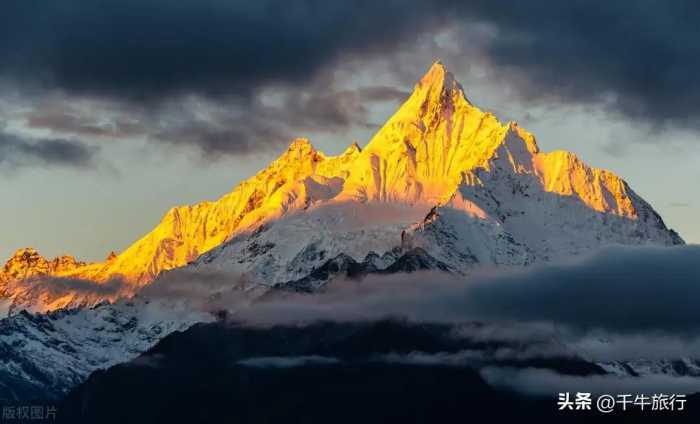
x=113, y=112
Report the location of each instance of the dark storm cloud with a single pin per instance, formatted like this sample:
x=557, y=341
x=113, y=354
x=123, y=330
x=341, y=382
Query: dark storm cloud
x=383, y=93
x=643, y=57
x=225, y=53
x=151, y=49
x=640, y=60
x=624, y=290
x=261, y=124
x=66, y=119
x=17, y=152
x=240, y=126
x=236, y=136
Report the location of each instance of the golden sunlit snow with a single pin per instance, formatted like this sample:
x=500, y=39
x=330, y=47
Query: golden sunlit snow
x=435, y=142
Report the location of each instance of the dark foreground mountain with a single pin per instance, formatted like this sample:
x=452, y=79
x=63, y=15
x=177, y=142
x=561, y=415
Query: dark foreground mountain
x=372, y=372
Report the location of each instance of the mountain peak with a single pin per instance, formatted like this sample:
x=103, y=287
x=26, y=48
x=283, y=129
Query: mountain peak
x=439, y=84
x=436, y=145
x=301, y=145
x=420, y=154
x=28, y=256
x=27, y=262
x=300, y=151
x=25, y=252
x=435, y=74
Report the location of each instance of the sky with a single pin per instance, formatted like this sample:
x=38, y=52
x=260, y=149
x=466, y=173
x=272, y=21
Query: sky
x=111, y=113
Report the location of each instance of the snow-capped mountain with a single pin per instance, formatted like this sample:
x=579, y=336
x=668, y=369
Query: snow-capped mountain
x=679, y=367
x=441, y=186
x=446, y=178
x=27, y=263
x=45, y=355
x=300, y=176
x=28, y=281
x=441, y=179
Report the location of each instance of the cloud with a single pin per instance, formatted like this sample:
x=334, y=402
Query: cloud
x=38, y=293
x=197, y=75
x=205, y=291
x=143, y=62
x=287, y=361
x=642, y=61
x=494, y=342
x=382, y=93
x=621, y=290
x=609, y=347
x=267, y=121
x=16, y=152
x=633, y=305
x=60, y=285
x=150, y=50
x=262, y=124
x=542, y=382
x=528, y=350
x=537, y=331
x=92, y=120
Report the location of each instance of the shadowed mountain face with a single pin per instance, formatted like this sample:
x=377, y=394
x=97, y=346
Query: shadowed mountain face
x=368, y=372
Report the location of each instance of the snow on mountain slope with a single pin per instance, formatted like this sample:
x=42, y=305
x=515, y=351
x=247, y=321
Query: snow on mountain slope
x=440, y=175
x=299, y=177
x=681, y=367
x=28, y=281
x=443, y=176
x=45, y=355
x=294, y=246
x=546, y=206
x=419, y=155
